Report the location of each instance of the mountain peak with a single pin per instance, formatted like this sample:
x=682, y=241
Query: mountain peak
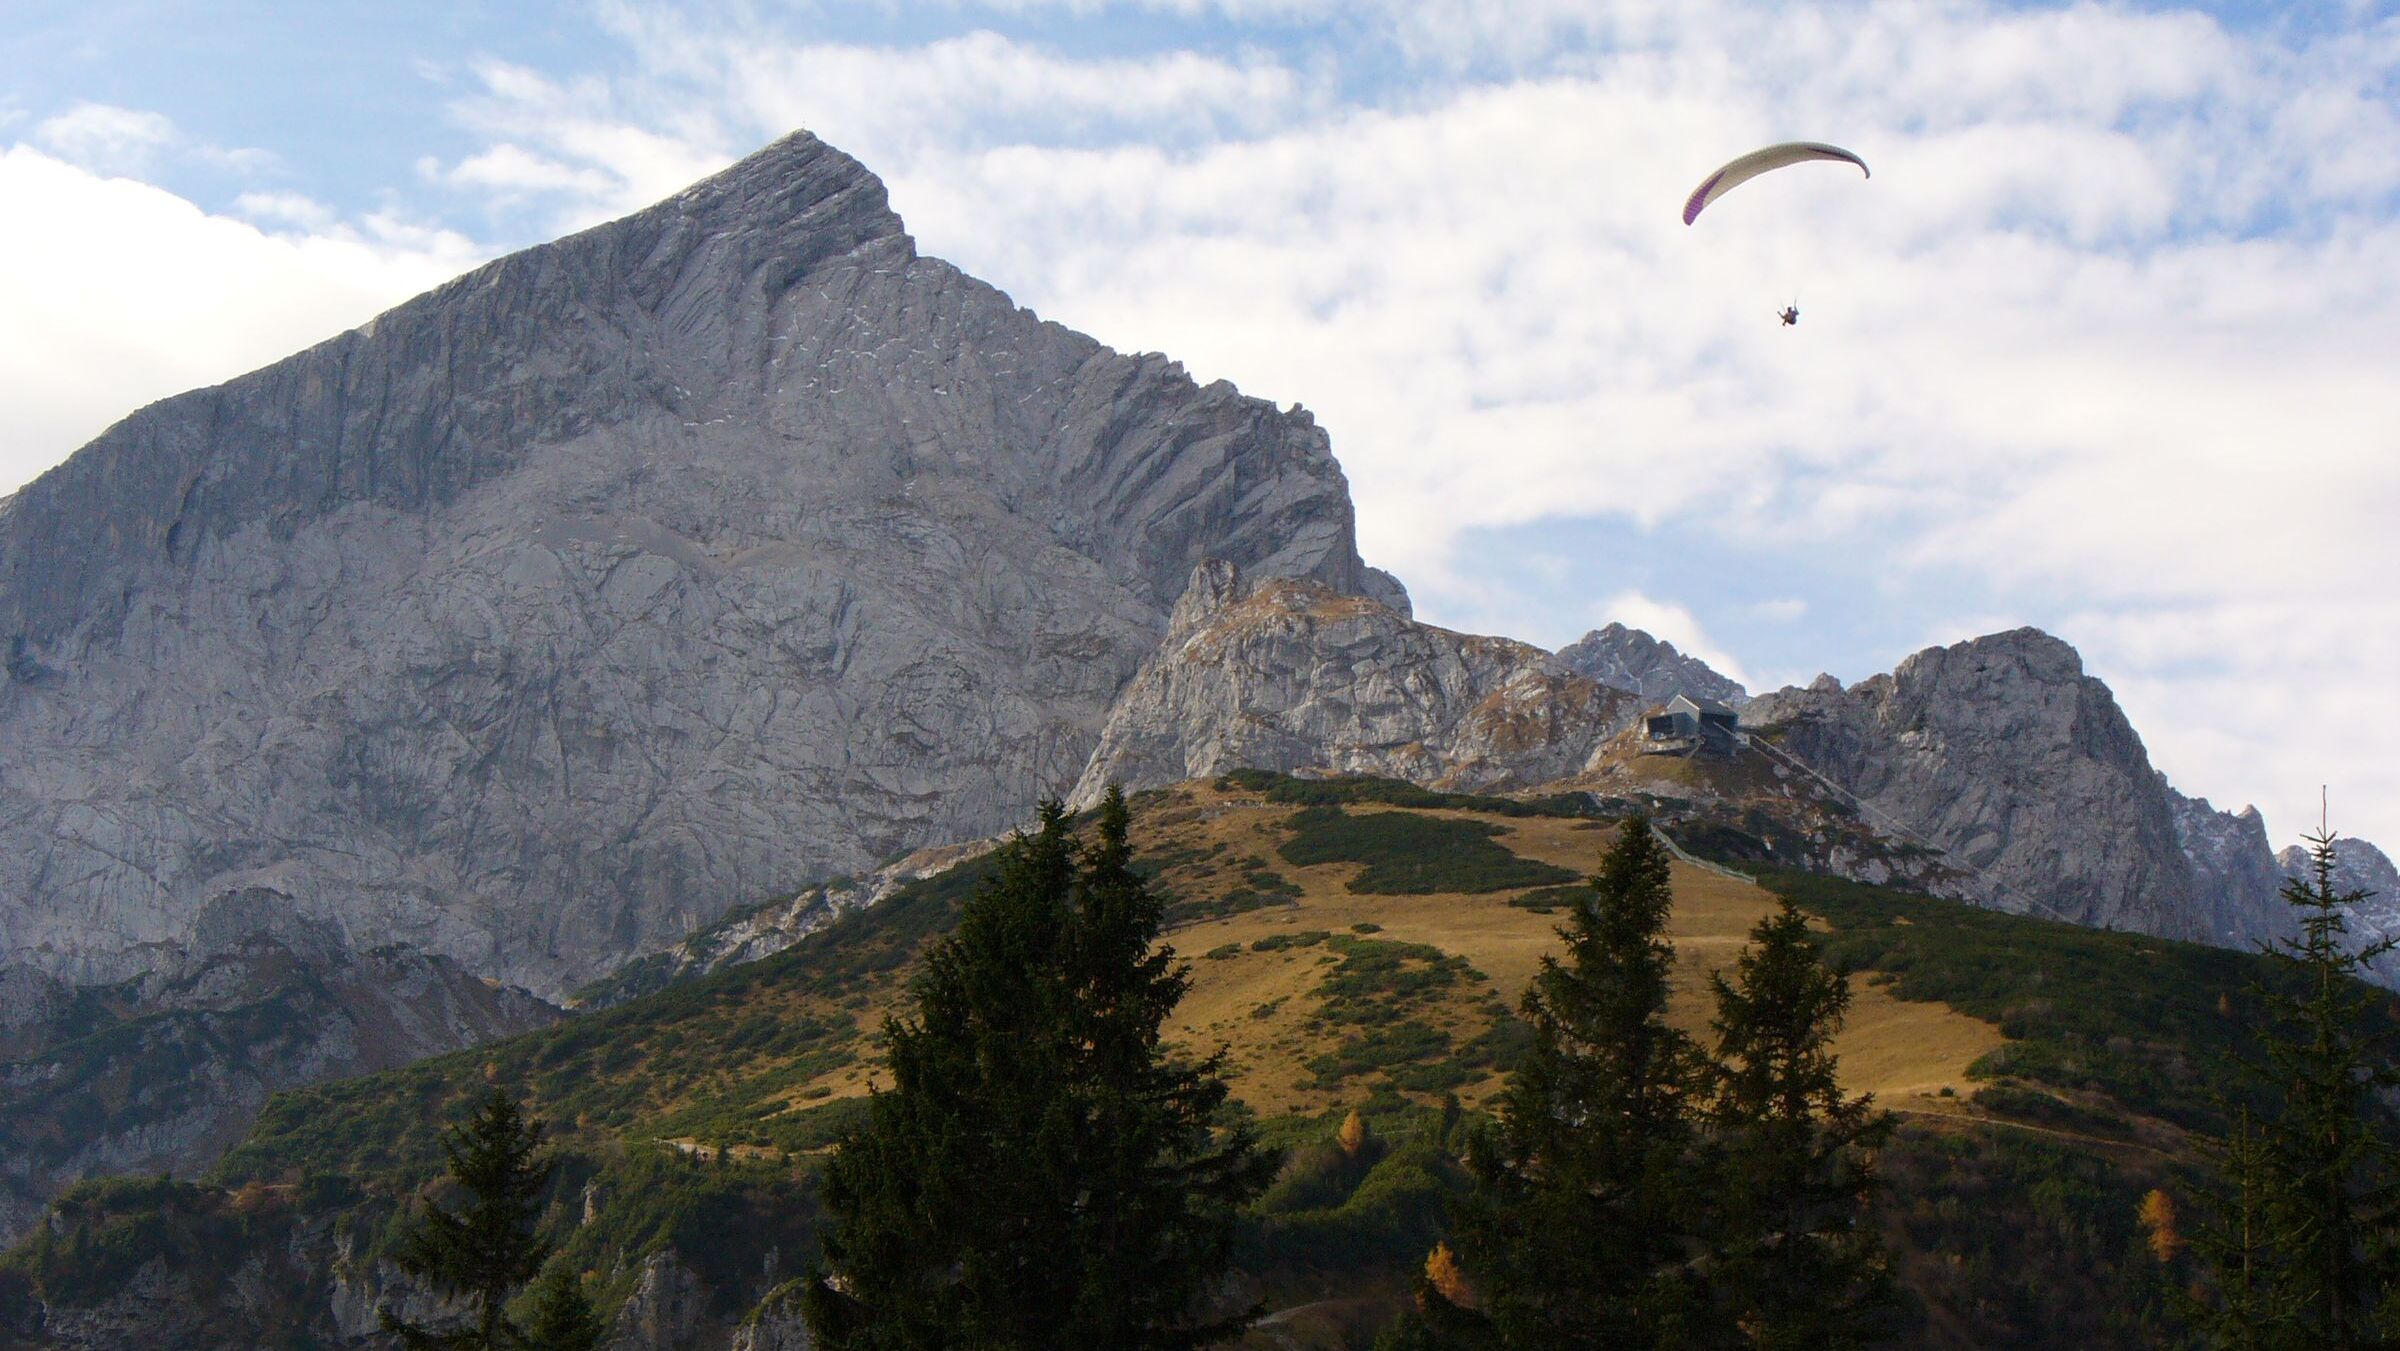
x=2034, y=652
x=1631, y=660
x=447, y=390
x=803, y=196
x=675, y=563
x=2087, y=832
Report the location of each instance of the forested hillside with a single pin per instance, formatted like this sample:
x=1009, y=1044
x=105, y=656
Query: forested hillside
x=1359, y=948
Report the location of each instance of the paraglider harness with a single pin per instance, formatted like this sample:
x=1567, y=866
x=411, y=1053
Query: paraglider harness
x=1790, y=315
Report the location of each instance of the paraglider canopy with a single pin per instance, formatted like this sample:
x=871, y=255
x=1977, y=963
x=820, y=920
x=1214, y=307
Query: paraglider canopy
x=1757, y=162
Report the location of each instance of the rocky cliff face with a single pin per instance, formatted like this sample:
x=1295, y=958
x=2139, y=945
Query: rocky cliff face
x=2357, y=867
x=753, y=932
x=1294, y=675
x=163, y=1072
x=686, y=561
x=1631, y=660
x=2234, y=878
x=777, y=1324
x=667, y=1310
x=2005, y=755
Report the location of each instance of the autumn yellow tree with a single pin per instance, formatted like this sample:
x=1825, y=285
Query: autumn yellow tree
x=1443, y=1274
x=2158, y=1221
x=1354, y=1136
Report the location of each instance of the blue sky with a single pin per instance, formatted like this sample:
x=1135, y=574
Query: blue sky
x=2104, y=346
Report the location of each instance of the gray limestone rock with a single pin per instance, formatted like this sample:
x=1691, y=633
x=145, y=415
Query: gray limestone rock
x=777, y=1324
x=162, y=1073
x=753, y=932
x=2002, y=753
x=2234, y=877
x=1293, y=675
x=1629, y=659
x=667, y=1310
x=2358, y=866
x=686, y=561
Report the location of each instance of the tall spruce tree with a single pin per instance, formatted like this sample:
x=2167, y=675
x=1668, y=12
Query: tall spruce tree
x=560, y=1317
x=2248, y=1310
x=484, y=1251
x=2307, y=1224
x=1042, y=1172
x=1799, y=1263
x=1581, y=1229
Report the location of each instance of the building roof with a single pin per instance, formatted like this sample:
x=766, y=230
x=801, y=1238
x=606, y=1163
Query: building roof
x=1703, y=707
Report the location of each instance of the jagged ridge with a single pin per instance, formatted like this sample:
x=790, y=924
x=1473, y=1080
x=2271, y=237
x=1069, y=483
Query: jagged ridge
x=689, y=560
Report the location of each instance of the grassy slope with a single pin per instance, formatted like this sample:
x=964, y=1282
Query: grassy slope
x=1324, y=993
x=1335, y=983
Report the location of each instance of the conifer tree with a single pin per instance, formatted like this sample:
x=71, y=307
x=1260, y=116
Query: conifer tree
x=1042, y=1173
x=561, y=1317
x=485, y=1250
x=1581, y=1228
x=1799, y=1263
x=2247, y=1311
x=2307, y=1218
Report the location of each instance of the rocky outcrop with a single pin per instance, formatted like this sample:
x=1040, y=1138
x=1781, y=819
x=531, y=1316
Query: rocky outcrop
x=2234, y=877
x=666, y=1311
x=1292, y=675
x=748, y=934
x=2357, y=867
x=2003, y=754
x=162, y=1073
x=1631, y=660
x=258, y=1282
x=690, y=560
x=777, y=1324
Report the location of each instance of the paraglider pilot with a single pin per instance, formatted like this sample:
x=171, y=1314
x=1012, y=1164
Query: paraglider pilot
x=1744, y=168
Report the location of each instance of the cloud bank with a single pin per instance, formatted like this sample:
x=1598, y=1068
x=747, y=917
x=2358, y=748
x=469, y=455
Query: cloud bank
x=2104, y=345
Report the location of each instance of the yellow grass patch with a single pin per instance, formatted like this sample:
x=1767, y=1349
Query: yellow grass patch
x=1259, y=1006
x=1890, y=1047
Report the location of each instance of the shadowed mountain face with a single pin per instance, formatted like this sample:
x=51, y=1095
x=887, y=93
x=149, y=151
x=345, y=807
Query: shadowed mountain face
x=162, y=1072
x=675, y=564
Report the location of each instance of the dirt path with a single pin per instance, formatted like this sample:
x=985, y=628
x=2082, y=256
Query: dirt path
x=1970, y=1118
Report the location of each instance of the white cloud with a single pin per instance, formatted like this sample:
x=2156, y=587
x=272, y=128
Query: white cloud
x=1781, y=610
x=1673, y=623
x=2263, y=700
x=134, y=142
x=510, y=171
x=286, y=209
x=2108, y=331
x=106, y=138
x=120, y=293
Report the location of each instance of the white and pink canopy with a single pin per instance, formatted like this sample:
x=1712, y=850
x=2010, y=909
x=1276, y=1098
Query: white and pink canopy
x=1758, y=162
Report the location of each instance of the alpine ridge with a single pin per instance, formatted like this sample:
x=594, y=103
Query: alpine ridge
x=688, y=560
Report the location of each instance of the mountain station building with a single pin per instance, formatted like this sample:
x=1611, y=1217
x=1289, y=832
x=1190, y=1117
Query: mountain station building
x=1688, y=726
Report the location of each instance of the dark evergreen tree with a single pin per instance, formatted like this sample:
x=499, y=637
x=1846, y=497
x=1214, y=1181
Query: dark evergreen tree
x=2247, y=1310
x=2302, y=1245
x=1799, y=1265
x=1042, y=1172
x=1582, y=1229
x=486, y=1250
x=1166, y=1185
x=560, y=1316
